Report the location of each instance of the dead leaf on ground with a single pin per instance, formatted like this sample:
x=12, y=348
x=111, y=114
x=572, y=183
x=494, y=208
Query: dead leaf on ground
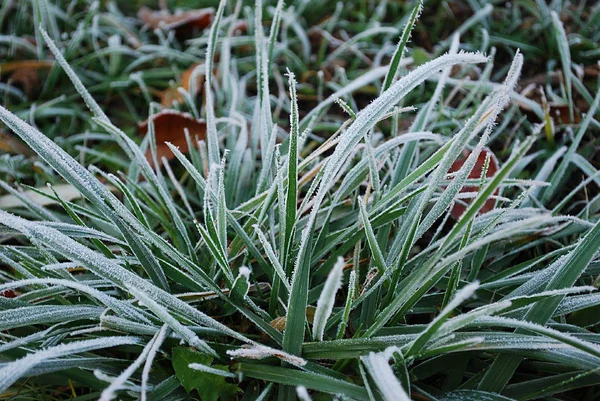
x=560, y=113
x=11, y=144
x=459, y=208
x=172, y=95
x=169, y=126
x=25, y=74
x=279, y=322
x=184, y=24
x=9, y=294
x=592, y=71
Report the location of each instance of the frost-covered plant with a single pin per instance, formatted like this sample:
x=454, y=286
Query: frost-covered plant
x=273, y=263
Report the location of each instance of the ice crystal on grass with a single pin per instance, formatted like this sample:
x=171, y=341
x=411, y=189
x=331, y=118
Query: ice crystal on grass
x=327, y=299
x=313, y=246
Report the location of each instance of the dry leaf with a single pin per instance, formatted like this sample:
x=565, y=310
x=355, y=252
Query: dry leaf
x=184, y=24
x=9, y=294
x=458, y=209
x=11, y=144
x=169, y=126
x=279, y=322
x=25, y=74
x=171, y=95
x=560, y=113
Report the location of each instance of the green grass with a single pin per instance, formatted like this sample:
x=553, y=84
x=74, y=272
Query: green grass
x=304, y=248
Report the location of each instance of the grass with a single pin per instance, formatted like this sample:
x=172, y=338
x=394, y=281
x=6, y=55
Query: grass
x=318, y=240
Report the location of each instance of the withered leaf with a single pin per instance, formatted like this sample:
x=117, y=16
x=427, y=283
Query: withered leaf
x=184, y=24
x=458, y=209
x=169, y=126
x=171, y=95
x=25, y=74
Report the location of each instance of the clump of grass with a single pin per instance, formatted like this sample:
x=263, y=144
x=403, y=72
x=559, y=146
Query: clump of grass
x=272, y=263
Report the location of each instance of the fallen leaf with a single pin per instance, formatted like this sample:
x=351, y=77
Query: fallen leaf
x=9, y=294
x=185, y=24
x=171, y=95
x=279, y=322
x=25, y=74
x=169, y=126
x=458, y=209
x=13, y=66
x=592, y=71
x=560, y=113
x=11, y=144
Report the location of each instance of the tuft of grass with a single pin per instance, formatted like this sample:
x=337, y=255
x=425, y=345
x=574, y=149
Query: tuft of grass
x=301, y=250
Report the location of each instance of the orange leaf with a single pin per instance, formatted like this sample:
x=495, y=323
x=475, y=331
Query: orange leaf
x=25, y=64
x=11, y=144
x=169, y=126
x=25, y=74
x=184, y=24
x=560, y=113
x=171, y=95
x=458, y=209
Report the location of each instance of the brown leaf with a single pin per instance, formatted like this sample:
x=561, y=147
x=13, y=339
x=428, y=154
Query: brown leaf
x=184, y=24
x=458, y=209
x=25, y=74
x=279, y=322
x=9, y=294
x=169, y=126
x=560, y=113
x=11, y=144
x=171, y=95
x=592, y=71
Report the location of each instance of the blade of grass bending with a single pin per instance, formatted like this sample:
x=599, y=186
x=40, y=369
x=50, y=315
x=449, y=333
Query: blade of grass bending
x=159, y=339
x=110, y=270
x=40, y=314
x=384, y=377
x=378, y=257
x=457, y=269
x=327, y=299
x=399, y=52
x=348, y=306
x=272, y=257
x=461, y=296
x=121, y=308
x=92, y=189
x=504, y=366
x=13, y=371
x=568, y=339
x=135, y=154
x=118, y=383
